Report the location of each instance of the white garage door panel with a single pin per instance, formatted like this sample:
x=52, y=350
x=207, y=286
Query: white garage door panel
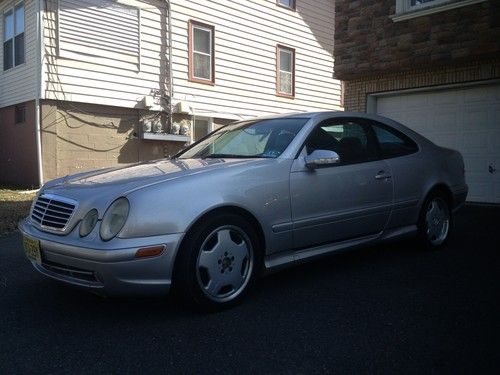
x=466, y=119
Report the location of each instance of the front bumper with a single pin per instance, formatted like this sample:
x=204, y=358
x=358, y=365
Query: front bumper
x=105, y=267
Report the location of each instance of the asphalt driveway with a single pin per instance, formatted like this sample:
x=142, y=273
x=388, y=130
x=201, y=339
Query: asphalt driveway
x=385, y=309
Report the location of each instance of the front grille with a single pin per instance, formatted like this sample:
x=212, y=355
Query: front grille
x=52, y=212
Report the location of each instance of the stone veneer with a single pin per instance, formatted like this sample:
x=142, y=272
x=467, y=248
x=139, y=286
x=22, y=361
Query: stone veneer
x=368, y=42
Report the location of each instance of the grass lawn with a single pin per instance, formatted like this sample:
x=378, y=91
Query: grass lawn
x=14, y=205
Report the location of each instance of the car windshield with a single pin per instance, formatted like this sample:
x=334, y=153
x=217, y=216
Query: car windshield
x=249, y=139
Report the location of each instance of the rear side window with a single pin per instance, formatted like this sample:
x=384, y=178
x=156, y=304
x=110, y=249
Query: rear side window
x=393, y=143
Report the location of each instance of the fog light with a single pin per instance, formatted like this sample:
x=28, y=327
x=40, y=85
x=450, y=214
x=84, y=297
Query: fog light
x=149, y=251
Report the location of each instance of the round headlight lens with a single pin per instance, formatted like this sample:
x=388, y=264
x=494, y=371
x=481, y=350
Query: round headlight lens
x=88, y=222
x=114, y=219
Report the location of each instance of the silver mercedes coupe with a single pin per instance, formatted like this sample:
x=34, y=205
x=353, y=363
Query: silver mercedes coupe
x=248, y=198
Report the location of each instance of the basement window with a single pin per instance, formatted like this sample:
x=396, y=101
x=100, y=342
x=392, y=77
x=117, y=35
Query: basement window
x=20, y=114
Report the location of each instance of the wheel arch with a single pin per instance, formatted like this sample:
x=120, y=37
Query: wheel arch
x=247, y=215
x=443, y=190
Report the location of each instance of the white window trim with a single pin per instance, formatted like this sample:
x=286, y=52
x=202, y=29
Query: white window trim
x=405, y=12
x=13, y=10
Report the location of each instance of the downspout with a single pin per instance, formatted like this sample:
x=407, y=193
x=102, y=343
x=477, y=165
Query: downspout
x=170, y=75
x=39, y=64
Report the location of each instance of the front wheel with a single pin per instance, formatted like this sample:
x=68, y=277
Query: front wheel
x=217, y=262
x=435, y=222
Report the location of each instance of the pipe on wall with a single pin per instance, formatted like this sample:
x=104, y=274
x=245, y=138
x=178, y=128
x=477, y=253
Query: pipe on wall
x=39, y=64
x=170, y=75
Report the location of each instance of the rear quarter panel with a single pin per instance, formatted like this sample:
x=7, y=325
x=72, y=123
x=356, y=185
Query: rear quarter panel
x=416, y=175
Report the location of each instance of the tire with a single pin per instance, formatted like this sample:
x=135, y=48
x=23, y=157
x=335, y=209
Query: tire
x=435, y=222
x=217, y=262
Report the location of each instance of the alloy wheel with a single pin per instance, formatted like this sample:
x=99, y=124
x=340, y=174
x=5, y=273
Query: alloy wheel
x=437, y=221
x=225, y=262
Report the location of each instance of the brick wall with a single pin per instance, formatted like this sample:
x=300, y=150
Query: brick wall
x=18, y=157
x=357, y=91
x=368, y=42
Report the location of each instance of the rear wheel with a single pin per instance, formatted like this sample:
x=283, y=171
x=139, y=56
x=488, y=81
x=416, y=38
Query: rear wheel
x=217, y=262
x=435, y=221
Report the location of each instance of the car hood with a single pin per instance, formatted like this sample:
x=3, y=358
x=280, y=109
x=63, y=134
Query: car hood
x=123, y=180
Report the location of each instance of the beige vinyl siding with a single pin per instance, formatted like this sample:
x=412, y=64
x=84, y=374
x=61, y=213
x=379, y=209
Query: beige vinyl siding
x=19, y=84
x=246, y=35
x=115, y=77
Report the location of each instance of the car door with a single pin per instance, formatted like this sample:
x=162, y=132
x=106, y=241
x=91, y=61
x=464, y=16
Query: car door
x=408, y=171
x=342, y=201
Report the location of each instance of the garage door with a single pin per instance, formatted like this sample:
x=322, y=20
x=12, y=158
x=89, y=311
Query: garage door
x=465, y=119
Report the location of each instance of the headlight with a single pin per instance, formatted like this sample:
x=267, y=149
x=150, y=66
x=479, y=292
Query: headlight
x=88, y=223
x=114, y=219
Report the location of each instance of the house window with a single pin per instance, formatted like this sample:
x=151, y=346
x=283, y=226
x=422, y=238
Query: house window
x=287, y=3
x=20, y=114
x=201, y=53
x=202, y=126
x=13, y=37
x=285, y=71
x=424, y=3
x=422, y=7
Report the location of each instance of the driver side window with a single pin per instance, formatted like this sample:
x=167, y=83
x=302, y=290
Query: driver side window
x=350, y=140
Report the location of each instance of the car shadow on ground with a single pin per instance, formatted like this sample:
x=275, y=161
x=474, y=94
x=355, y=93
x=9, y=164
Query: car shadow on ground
x=294, y=282
x=377, y=309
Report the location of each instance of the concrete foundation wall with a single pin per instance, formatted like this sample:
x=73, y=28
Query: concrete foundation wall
x=18, y=157
x=78, y=137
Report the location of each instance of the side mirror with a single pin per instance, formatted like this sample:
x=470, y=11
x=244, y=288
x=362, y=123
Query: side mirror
x=322, y=158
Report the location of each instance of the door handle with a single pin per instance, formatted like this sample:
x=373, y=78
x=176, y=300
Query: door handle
x=382, y=175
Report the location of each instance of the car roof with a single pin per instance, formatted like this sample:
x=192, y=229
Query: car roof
x=312, y=115
x=322, y=115
x=343, y=114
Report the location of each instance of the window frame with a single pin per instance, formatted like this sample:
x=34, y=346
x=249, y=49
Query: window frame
x=397, y=134
x=367, y=129
x=12, y=10
x=405, y=5
x=405, y=11
x=368, y=126
x=293, y=6
x=19, y=114
x=279, y=48
x=210, y=126
x=192, y=24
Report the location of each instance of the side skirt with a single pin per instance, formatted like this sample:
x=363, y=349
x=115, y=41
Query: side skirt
x=282, y=260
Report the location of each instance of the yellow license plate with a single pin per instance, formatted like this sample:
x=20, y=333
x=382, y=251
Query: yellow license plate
x=32, y=249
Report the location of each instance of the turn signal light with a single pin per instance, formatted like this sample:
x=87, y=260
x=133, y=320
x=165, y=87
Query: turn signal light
x=149, y=251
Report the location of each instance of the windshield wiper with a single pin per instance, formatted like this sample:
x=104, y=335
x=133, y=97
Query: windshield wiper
x=230, y=156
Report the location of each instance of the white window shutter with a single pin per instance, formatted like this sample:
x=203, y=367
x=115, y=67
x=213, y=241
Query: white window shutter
x=99, y=28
